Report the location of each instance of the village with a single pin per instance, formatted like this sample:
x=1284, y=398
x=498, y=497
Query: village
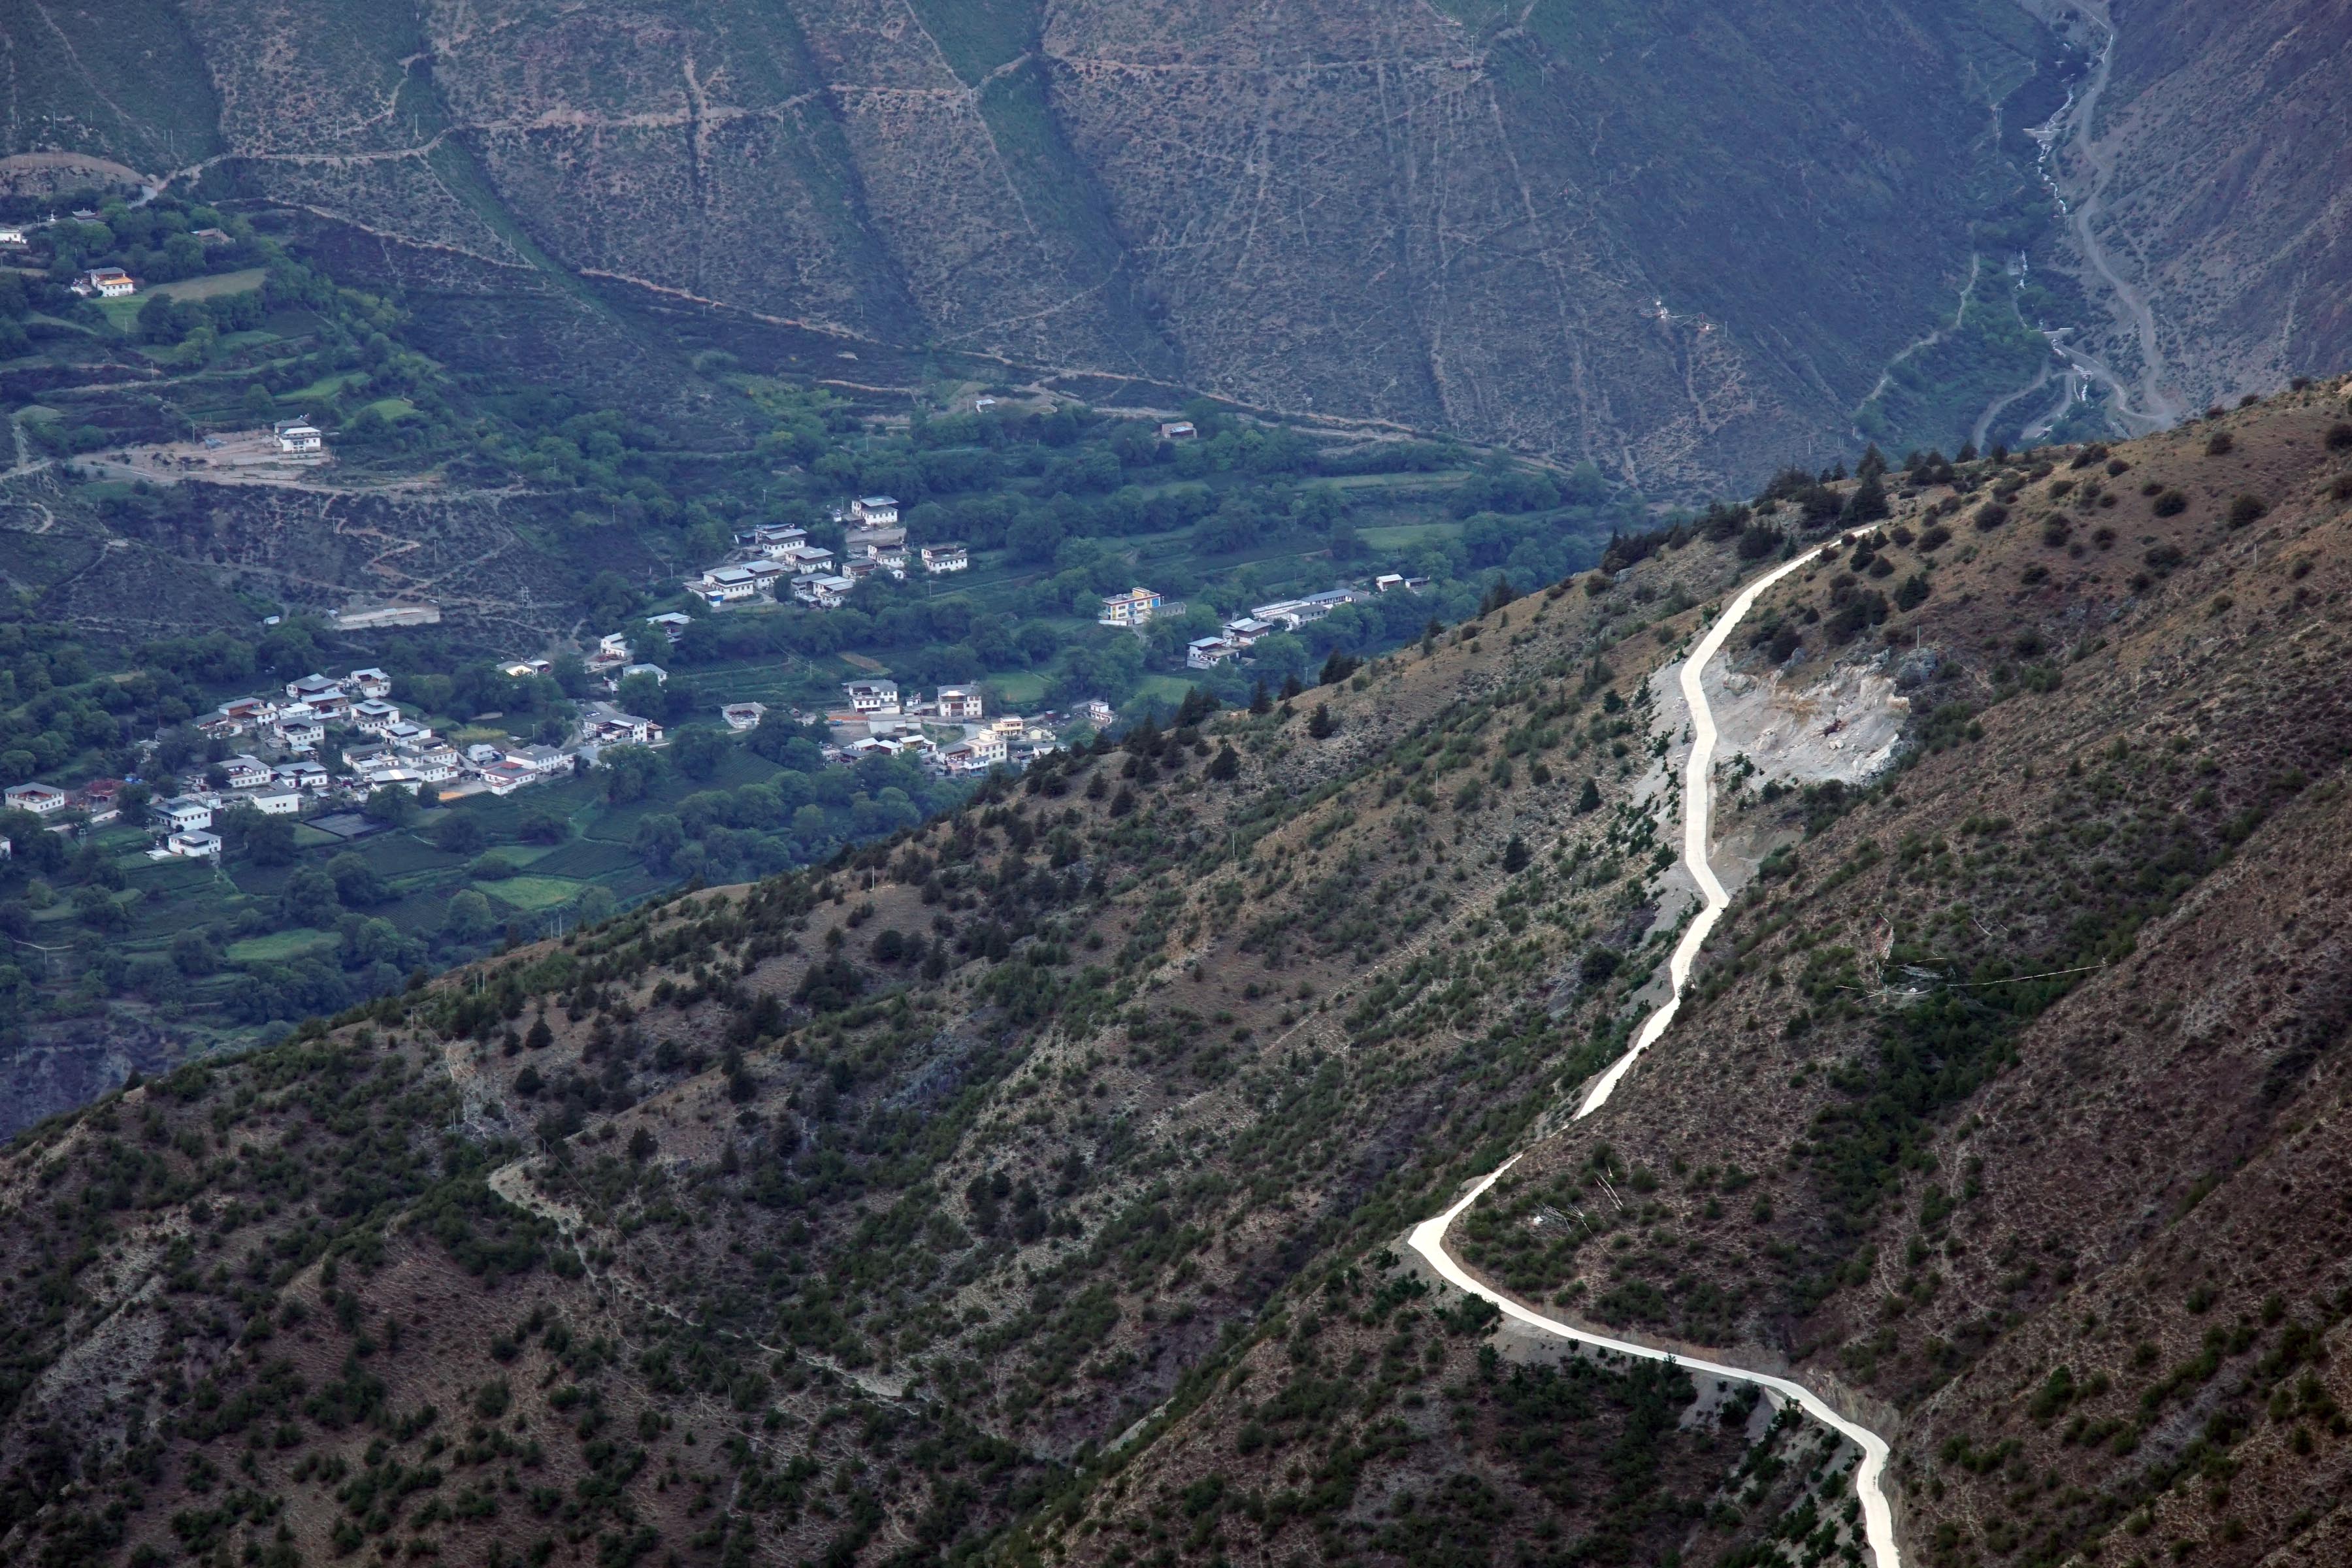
x=324, y=746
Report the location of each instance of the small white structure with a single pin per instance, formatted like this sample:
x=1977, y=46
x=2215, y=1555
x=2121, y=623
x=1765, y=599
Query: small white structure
x=196, y=844
x=1133, y=609
x=311, y=688
x=672, y=623
x=940, y=559
x=743, y=715
x=185, y=812
x=1246, y=630
x=277, y=801
x=724, y=585
x=247, y=772
x=1207, y=653
x=299, y=438
x=874, y=697
x=1097, y=711
x=961, y=702
x=12, y=234
x=657, y=672
x=369, y=682
x=544, y=760
x=109, y=283
x=875, y=511
x=302, y=774
x=374, y=716
x=1178, y=430
x=38, y=798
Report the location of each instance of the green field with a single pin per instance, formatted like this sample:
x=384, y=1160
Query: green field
x=213, y=287
x=534, y=893
x=279, y=946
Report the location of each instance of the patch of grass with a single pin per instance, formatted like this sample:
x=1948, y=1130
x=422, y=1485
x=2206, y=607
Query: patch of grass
x=282, y=945
x=534, y=893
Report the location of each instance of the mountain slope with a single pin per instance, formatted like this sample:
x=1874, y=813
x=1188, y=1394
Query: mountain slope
x=860, y=1214
x=1645, y=241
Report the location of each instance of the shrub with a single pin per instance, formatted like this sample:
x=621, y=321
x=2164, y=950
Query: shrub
x=1989, y=516
x=1935, y=539
x=2247, y=510
x=2169, y=503
x=2339, y=437
x=2220, y=444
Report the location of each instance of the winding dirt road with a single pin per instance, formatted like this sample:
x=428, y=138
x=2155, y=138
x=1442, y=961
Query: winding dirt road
x=1428, y=1238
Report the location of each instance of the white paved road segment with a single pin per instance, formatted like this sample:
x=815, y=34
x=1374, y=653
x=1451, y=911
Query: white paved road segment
x=1428, y=1238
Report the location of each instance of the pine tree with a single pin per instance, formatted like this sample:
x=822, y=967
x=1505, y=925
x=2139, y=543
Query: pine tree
x=1320, y=725
x=1261, y=700
x=1516, y=856
x=1590, y=800
x=1227, y=764
x=1290, y=687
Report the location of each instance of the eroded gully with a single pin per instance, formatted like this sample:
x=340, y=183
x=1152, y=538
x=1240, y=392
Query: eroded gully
x=1428, y=1238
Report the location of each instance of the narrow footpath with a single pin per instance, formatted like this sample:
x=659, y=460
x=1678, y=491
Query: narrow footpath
x=1428, y=1238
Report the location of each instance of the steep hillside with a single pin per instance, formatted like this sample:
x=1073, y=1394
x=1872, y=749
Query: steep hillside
x=1643, y=240
x=1031, y=1185
x=2203, y=215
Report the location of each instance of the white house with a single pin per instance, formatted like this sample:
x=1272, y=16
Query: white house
x=875, y=511
x=743, y=715
x=407, y=732
x=1097, y=711
x=374, y=716
x=505, y=778
x=1176, y=430
x=182, y=813
x=1129, y=609
x=657, y=672
x=1207, y=653
x=940, y=559
x=890, y=558
x=312, y=688
x=247, y=772
x=109, y=283
x=302, y=774
x=195, y=844
x=672, y=623
x=874, y=697
x=723, y=584
x=277, y=801
x=369, y=682
x=822, y=592
x=299, y=437
x=961, y=702
x=544, y=760
x=611, y=649
x=12, y=234
x=38, y=798
x=1388, y=582
x=1246, y=630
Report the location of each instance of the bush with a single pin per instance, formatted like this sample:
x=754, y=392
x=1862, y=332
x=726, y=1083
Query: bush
x=2221, y=446
x=1989, y=516
x=2339, y=437
x=1935, y=539
x=2248, y=509
x=2169, y=503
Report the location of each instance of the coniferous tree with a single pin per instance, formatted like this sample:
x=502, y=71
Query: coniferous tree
x=1589, y=799
x=1320, y=725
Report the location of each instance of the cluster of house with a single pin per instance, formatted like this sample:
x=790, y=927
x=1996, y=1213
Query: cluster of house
x=1287, y=615
x=774, y=560
x=899, y=726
